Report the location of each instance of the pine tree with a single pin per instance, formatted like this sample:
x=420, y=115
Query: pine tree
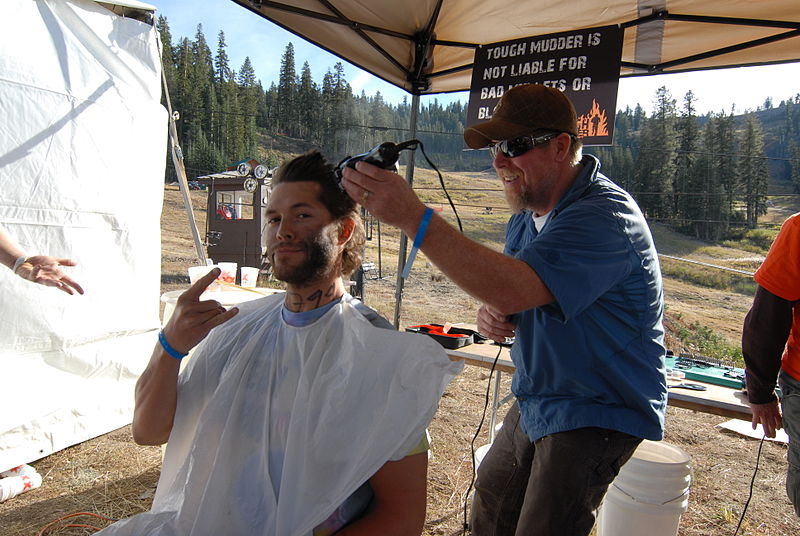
x=205, y=158
x=718, y=169
x=753, y=170
x=203, y=73
x=169, y=65
x=687, y=201
x=794, y=165
x=184, y=97
x=220, y=105
x=168, y=62
x=656, y=160
x=705, y=181
x=198, y=73
x=639, y=116
x=342, y=110
x=727, y=164
x=378, y=118
x=249, y=93
x=271, y=105
x=328, y=108
x=262, y=115
x=287, y=89
x=222, y=70
x=308, y=101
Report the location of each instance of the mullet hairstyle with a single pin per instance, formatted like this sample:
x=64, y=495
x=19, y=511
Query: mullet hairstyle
x=312, y=167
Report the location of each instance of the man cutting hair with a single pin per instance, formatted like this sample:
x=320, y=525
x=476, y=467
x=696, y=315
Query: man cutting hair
x=295, y=415
x=579, y=287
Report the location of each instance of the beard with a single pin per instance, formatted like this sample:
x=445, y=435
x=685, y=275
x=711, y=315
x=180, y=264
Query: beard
x=320, y=259
x=531, y=196
x=516, y=201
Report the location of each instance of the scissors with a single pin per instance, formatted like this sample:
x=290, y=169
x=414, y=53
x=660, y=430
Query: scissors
x=692, y=386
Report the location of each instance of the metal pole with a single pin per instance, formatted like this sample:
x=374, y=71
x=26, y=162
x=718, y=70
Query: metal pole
x=177, y=161
x=183, y=184
x=495, y=404
x=401, y=255
x=380, y=255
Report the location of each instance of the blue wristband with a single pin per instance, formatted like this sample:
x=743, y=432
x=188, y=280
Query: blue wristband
x=169, y=349
x=418, y=239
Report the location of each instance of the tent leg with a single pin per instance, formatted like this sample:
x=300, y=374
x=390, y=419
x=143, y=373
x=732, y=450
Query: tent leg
x=177, y=161
x=187, y=203
x=401, y=255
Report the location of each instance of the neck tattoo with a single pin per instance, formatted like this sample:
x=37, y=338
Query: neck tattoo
x=295, y=301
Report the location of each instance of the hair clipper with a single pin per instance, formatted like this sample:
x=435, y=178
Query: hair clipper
x=384, y=156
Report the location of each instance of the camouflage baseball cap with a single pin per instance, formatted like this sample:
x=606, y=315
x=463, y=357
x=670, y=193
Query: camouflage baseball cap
x=524, y=110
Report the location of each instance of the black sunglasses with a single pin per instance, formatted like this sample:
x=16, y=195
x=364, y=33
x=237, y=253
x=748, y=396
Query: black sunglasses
x=520, y=145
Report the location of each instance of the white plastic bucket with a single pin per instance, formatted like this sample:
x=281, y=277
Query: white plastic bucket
x=649, y=494
x=480, y=453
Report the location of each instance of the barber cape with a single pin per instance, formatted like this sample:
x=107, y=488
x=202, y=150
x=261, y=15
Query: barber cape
x=277, y=425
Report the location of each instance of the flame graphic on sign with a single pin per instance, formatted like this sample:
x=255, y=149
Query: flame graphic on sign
x=595, y=123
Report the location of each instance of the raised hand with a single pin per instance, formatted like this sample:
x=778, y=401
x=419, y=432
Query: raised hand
x=45, y=270
x=193, y=319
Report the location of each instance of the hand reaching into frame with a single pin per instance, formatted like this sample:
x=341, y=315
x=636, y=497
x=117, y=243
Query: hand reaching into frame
x=46, y=270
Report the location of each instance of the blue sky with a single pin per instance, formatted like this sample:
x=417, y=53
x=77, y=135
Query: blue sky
x=247, y=34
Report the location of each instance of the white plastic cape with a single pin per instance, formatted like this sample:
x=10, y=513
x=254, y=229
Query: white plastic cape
x=339, y=397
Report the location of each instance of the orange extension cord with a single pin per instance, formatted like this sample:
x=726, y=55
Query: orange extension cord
x=76, y=525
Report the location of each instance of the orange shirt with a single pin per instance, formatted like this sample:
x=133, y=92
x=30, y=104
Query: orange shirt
x=780, y=274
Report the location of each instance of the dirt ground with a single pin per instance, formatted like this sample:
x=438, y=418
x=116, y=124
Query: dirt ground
x=112, y=477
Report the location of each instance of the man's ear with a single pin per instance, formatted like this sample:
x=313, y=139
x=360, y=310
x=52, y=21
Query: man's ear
x=563, y=143
x=346, y=228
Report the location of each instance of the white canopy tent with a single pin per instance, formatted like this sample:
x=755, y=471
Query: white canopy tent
x=428, y=46
x=82, y=155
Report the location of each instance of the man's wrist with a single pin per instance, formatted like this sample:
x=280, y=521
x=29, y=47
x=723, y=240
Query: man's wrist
x=167, y=347
x=414, y=219
x=19, y=262
x=761, y=398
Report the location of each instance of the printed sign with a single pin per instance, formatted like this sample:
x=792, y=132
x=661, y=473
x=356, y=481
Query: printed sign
x=584, y=64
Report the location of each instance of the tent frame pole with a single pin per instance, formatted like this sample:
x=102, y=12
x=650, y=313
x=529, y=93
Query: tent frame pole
x=177, y=161
x=401, y=255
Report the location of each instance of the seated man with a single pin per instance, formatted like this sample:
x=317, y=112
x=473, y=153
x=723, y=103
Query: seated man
x=295, y=416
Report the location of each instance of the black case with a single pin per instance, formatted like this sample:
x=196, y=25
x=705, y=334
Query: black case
x=447, y=340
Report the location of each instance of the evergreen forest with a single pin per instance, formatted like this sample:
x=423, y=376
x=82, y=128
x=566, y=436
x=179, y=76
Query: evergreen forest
x=706, y=176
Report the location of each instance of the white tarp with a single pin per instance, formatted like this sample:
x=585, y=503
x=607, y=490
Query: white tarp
x=82, y=155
